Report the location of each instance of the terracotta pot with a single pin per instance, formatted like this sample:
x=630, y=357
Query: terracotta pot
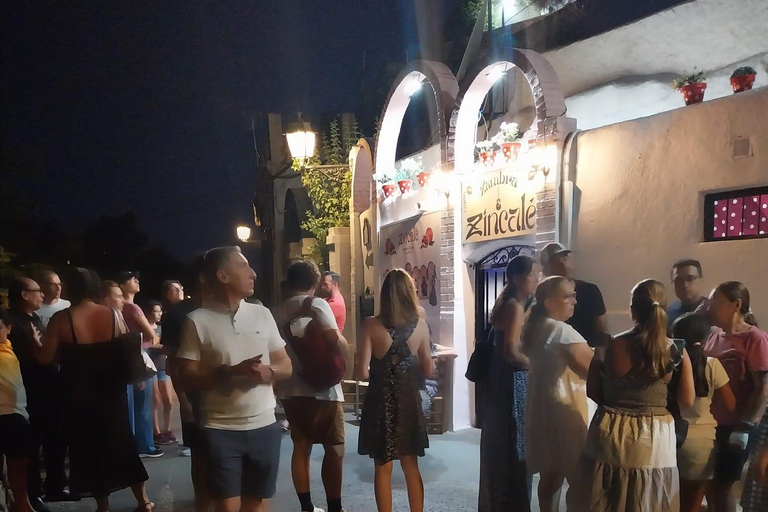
x=693, y=93
x=389, y=189
x=510, y=150
x=742, y=83
x=488, y=157
x=424, y=178
x=405, y=186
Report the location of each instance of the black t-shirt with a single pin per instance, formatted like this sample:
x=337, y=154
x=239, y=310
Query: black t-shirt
x=173, y=321
x=589, y=306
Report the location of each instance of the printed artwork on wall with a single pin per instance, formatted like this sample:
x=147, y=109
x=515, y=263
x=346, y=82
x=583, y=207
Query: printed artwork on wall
x=414, y=245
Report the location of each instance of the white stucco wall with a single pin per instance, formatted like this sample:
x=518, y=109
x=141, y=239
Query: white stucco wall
x=626, y=73
x=643, y=184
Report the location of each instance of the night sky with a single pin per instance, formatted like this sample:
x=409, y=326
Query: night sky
x=139, y=106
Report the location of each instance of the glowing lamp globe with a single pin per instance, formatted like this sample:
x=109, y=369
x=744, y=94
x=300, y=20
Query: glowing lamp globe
x=301, y=144
x=243, y=233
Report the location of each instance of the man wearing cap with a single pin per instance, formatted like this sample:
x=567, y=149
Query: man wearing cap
x=589, y=314
x=140, y=398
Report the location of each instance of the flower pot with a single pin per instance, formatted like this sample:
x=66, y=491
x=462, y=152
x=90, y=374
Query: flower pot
x=510, y=150
x=693, y=93
x=742, y=83
x=405, y=186
x=424, y=178
x=389, y=189
x=488, y=157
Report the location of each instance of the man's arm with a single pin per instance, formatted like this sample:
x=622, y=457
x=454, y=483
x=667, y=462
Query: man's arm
x=280, y=364
x=149, y=336
x=331, y=331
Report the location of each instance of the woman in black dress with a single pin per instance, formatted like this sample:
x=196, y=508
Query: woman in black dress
x=504, y=480
x=393, y=427
x=102, y=453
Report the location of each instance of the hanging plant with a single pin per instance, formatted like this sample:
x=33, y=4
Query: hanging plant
x=692, y=85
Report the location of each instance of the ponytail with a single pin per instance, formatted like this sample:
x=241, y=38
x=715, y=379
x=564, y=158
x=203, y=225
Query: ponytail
x=649, y=302
x=694, y=329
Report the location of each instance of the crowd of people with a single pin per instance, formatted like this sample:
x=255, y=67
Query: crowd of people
x=659, y=417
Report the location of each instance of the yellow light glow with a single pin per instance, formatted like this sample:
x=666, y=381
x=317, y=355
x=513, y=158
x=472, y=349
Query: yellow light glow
x=301, y=144
x=243, y=233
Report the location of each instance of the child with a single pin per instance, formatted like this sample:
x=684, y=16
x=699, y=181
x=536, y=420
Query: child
x=14, y=425
x=696, y=457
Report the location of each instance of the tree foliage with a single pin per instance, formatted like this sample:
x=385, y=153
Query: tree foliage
x=329, y=188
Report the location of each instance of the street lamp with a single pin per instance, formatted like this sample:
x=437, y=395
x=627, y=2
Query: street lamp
x=301, y=143
x=243, y=233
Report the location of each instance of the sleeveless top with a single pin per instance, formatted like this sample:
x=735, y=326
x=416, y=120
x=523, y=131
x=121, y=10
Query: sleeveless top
x=639, y=393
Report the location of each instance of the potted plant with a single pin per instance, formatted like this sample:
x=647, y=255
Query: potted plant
x=487, y=154
x=409, y=168
x=692, y=85
x=508, y=139
x=387, y=185
x=424, y=177
x=742, y=79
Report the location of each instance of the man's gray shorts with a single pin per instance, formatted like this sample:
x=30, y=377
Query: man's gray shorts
x=244, y=462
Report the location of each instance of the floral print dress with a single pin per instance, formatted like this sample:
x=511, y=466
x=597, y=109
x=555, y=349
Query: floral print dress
x=393, y=424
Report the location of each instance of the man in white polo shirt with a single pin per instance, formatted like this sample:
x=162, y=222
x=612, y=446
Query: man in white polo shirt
x=232, y=352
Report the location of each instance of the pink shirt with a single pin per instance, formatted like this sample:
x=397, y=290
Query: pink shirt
x=339, y=308
x=740, y=353
x=132, y=313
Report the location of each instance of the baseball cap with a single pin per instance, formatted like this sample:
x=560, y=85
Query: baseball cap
x=124, y=276
x=551, y=250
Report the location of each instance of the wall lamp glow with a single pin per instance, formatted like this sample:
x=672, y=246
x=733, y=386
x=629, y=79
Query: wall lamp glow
x=413, y=86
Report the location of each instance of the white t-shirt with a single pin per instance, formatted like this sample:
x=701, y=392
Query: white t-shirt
x=701, y=422
x=217, y=337
x=294, y=386
x=46, y=311
x=550, y=379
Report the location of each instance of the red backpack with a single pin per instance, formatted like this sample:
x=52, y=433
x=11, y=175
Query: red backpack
x=323, y=365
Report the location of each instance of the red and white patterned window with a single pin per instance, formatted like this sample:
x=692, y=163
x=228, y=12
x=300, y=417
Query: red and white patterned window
x=736, y=215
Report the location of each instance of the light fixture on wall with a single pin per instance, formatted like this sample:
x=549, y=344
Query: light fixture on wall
x=497, y=72
x=413, y=85
x=301, y=143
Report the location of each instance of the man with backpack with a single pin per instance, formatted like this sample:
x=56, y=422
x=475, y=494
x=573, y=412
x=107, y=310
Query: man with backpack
x=312, y=397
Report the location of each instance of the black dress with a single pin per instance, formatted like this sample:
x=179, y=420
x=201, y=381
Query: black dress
x=102, y=452
x=393, y=423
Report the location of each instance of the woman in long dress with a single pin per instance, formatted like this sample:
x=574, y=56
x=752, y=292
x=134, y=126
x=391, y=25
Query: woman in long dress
x=629, y=461
x=504, y=481
x=556, y=410
x=102, y=452
x=395, y=346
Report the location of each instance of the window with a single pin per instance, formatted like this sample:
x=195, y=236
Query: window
x=737, y=214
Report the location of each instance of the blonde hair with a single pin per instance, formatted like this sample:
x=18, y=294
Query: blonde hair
x=649, y=305
x=546, y=290
x=399, y=303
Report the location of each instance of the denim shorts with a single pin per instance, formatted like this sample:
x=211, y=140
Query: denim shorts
x=243, y=462
x=162, y=376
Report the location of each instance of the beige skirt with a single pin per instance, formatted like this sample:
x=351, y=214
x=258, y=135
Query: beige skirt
x=696, y=459
x=628, y=464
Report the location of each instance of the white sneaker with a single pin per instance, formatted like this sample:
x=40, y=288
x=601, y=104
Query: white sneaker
x=316, y=510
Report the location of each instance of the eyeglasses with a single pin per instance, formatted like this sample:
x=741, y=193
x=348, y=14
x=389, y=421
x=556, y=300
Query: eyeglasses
x=33, y=290
x=686, y=279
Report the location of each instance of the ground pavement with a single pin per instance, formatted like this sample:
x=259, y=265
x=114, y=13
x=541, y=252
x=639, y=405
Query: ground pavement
x=450, y=470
